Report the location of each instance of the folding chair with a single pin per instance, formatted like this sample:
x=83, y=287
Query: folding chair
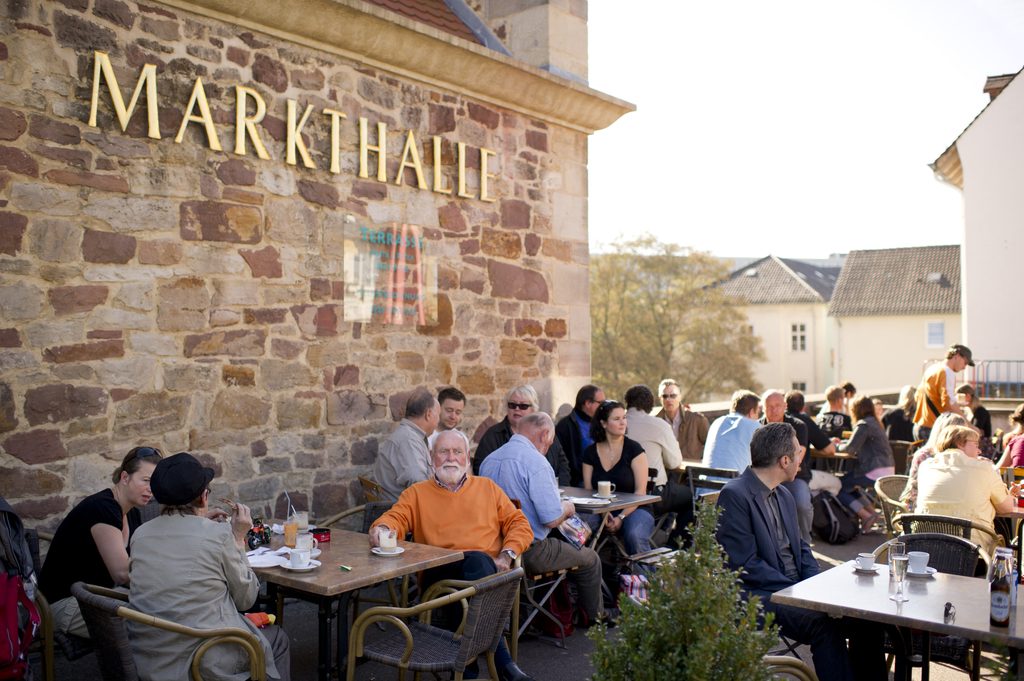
x=371, y=489
x=706, y=478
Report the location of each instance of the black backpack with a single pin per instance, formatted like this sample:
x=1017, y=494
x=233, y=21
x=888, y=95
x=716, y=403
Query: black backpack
x=833, y=522
x=19, y=617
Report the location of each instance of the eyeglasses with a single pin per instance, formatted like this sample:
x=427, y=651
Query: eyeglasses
x=670, y=397
x=519, y=406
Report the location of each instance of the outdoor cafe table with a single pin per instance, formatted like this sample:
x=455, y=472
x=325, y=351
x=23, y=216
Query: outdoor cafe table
x=329, y=582
x=842, y=592
x=620, y=501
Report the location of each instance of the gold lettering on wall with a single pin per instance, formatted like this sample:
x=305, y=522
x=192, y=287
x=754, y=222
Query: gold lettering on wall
x=461, y=147
x=410, y=150
x=381, y=150
x=147, y=79
x=245, y=124
x=294, y=138
x=485, y=155
x=336, y=117
x=204, y=117
x=438, y=177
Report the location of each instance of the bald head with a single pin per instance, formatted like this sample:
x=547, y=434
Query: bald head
x=539, y=429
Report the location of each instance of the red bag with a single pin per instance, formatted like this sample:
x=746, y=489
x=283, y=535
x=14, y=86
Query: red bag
x=19, y=624
x=559, y=605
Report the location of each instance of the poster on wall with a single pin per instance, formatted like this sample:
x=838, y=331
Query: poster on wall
x=390, y=277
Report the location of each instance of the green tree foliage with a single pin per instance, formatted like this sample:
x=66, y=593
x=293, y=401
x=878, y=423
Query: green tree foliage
x=656, y=313
x=695, y=624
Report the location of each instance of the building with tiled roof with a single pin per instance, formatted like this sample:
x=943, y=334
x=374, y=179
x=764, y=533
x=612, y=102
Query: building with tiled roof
x=895, y=309
x=786, y=307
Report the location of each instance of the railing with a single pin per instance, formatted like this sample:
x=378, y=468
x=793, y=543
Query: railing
x=999, y=378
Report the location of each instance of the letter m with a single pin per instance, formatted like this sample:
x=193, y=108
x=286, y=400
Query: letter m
x=147, y=78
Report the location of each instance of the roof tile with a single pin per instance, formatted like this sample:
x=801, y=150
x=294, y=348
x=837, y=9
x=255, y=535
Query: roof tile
x=894, y=281
x=433, y=13
x=773, y=281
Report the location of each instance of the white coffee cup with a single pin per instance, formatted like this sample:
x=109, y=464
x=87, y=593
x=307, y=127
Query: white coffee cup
x=605, y=488
x=918, y=560
x=388, y=541
x=865, y=561
x=300, y=558
x=306, y=541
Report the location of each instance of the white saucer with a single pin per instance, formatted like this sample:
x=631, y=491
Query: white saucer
x=587, y=501
x=313, y=564
x=608, y=498
x=378, y=551
x=928, y=572
x=861, y=571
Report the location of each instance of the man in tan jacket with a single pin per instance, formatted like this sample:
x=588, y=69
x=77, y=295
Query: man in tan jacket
x=689, y=427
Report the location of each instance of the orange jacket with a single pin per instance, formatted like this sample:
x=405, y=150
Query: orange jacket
x=933, y=389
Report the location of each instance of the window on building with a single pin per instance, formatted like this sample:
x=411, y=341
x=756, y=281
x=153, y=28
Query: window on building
x=936, y=335
x=799, y=335
x=800, y=385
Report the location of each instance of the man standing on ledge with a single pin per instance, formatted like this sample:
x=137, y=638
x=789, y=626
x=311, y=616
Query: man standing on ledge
x=689, y=427
x=936, y=394
x=455, y=510
x=404, y=458
x=759, y=531
x=573, y=431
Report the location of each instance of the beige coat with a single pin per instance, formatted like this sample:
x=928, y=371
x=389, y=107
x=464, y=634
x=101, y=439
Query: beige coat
x=188, y=570
x=693, y=433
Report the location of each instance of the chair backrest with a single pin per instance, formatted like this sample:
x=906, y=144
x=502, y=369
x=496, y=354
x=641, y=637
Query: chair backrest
x=901, y=454
x=786, y=667
x=703, y=477
x=107, y=631
x=372, y=511
x=888, y=488
x=710, y=497
x=946, y=553
x=488, y=612
x=914, y=523
x=371, y=489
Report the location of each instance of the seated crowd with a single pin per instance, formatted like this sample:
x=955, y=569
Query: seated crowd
x=189, y=563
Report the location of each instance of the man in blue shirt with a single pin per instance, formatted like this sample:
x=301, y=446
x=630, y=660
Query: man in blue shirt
x=520, y=468
x=728, y=444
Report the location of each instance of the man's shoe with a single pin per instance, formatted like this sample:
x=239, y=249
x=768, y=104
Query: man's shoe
x=512, y=672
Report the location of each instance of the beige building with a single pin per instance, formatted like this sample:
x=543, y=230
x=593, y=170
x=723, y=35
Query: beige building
x=786, y=307
x=248, y=230
x=987, y=163
x=894, y=310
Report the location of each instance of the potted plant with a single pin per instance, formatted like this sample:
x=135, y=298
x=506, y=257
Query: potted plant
x=695, y=624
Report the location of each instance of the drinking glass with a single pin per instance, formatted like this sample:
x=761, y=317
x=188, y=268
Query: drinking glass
x=896, y=548
x=899, y=575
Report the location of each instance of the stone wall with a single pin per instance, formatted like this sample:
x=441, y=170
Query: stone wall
x=161, y=293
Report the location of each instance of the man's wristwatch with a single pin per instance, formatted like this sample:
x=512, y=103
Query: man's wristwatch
x=512, y=555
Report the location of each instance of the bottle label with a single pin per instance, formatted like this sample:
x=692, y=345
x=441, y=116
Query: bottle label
x=1000, y=606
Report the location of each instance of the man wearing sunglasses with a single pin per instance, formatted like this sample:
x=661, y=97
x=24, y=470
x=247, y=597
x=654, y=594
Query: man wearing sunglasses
x=520, y=401
x=573, y=431
x=689, y=427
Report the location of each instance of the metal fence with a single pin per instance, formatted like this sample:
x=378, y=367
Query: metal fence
x=999, y=378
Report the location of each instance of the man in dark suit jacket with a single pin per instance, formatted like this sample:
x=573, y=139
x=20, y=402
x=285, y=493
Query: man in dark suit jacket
x=759, y=531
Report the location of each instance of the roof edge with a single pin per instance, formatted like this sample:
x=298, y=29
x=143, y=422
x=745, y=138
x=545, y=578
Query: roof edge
x=800, y=279
x=357, y=30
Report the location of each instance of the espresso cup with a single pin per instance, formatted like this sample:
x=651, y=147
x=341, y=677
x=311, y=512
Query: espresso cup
x=918, y=560
x=865, y=561
x=388, y=541
x=299, y=558
x=605, y=488
x=306, y=541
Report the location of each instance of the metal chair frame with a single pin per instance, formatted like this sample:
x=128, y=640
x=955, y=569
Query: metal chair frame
x=888, y=498
x=703, y=477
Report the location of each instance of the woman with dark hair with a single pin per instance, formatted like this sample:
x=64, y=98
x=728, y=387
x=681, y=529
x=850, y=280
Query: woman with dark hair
x=979, y=418
x=90, y=544
x=874, y=458
x=617, y=459
x=899, y=422
x=1013, y=447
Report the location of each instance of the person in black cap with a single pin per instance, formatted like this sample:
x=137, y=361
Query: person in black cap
x=937, y=392
x=190, y=569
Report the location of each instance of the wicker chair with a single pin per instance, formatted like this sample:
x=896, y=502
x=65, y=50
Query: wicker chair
x=105, y=611
x=958, y=527
x=785, y=667
x=955, y=556
x=420, y=647
x=888, y=489
x=371, y=489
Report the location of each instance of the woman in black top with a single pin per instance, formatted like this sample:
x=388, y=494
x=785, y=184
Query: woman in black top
x=621, y=461
x=899, y=421
x=91, y=542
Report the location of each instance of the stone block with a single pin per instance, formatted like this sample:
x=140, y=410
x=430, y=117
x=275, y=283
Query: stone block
x=54, y=240
x=475, y=380
x=515, y=214
x=218, y=221
x=158, y=344
x=84, y=352
x=236, y=410
x=183, y=305
x=159, y=252
x=35, y=481
x=106, y=247
x=39, y=509
x=18, y=359
x=48, y=331
x=12, y=124
x=555, y=328
x=277, y=180
x=185, y=377
x=286, y=349
x=237, y=172
x=12, y=229
x=451, y=219
x=445, y=319
x=63, y=402
x=72, y=157
x=44, y=198
x=317, y=320
x=532, y=244
x=75, y=178
x=528, y=327
x=570, y=215
x=347, y=407
x=295, y=414
x=536, y=139
x=265, y=315
x=238, y=55
x=131, y=372
x=135, y=296
x=511, y=281
x=117, y=145
x=135, y=213
x=235, y=292
x=473, y=280
x=36, y=446
x=501, y=243
x=483, y=114
x=20, y=301
x=270, y=72
x=265, y=262
x=225, y=317
x=8, y=418
x=319, y=192
x=236, y=375
x=150, y=414
x=517, y=353
x=374, y=191
x=239, y=343
x=72, y=299
x=46, y=128
x=18, y=161
x=280, y=375
x=442, y=119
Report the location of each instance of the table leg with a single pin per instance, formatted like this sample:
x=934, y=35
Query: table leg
x=600, y=528
x=926, y=655
x=342, y=624
x=323, y=666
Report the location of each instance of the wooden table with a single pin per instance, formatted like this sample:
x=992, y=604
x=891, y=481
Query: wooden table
x=329, y=583
x=622, y=501
x=837, y=461
x=842, y=592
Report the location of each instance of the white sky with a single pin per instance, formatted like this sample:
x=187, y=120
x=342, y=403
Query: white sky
x=797, y=127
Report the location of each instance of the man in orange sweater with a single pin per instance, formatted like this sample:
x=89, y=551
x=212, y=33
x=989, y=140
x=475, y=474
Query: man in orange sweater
x=455, y=510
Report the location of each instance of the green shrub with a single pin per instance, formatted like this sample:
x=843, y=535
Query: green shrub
x=695, y=624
